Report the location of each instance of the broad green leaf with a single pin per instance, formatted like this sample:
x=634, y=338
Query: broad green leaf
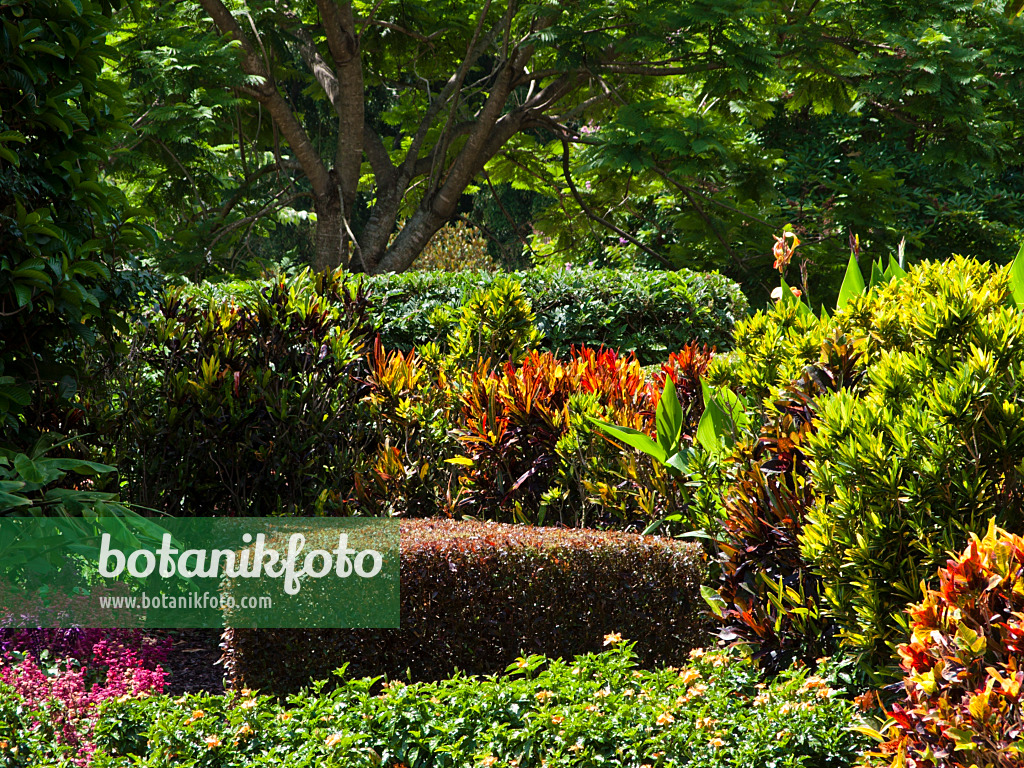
x=877, y=274
x=724, y=416
x=81, y=467
x=28, y=469
x=894, y=271
x=964, y=739
x=713, y=599
x=654, y=526
x=853, y=283
x=669, y=417
x=680, y=461
x=633, y=438
x=15, y=394
x=9, y=501
x=1017, y=278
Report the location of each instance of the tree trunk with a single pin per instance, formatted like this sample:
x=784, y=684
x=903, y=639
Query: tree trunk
x=330, y=232
x=411, y=241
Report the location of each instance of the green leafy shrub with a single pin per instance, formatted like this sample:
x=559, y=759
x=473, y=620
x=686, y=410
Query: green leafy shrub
x=56, y=496
x=931, y=450
x=496, y=323
x=243, y=410
x=455, y=247
x=594, y=710
x=476, y=595
x=904, y=465
x=963, y=664
x=646, y=312
x=66, y=236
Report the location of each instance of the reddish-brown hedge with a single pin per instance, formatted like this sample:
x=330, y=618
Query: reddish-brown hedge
x=476, y=596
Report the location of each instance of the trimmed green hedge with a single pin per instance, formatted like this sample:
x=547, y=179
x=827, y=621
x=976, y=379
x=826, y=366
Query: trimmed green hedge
x=652, y=313
x=596, y=710
x=475, y=596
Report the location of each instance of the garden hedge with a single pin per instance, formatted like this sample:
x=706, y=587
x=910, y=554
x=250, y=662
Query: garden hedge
x=651, y=313
x=476, y=596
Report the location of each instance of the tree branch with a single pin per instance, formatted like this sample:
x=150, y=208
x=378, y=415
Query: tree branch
x=586, y=209
x=638, y=68
x=318, y=66
x=267, y=94
x=372, y=22
x=441, y=151
x=380, y=161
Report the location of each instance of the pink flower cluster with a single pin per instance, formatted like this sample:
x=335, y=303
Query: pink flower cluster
x=70, y=694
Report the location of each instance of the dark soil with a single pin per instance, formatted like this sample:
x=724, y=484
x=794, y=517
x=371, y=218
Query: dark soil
x=192, y=664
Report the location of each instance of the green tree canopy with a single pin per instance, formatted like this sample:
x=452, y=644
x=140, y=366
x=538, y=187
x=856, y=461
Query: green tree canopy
x=692, y=131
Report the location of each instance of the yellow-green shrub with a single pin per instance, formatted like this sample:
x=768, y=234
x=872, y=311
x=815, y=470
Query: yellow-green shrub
x=904, y=466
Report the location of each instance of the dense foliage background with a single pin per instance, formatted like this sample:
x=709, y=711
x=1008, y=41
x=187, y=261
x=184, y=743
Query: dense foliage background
x=649, y=133
x=203, y=208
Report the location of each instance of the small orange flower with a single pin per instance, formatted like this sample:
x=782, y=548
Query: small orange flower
x=212, y=742
x=284, y=717
x=197, y=715
x=557, y=719
x=689, y=676
x=612, y=638
x=665, y=718
x=777, y=292
x=716, y=742
x=333, y=740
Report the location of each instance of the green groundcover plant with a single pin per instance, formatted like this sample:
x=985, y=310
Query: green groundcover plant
x=596, y=710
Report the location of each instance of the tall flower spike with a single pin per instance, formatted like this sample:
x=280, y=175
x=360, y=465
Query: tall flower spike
x=783, y=250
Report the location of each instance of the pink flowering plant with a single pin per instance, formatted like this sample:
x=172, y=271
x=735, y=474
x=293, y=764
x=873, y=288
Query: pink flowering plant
x=52, y=683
